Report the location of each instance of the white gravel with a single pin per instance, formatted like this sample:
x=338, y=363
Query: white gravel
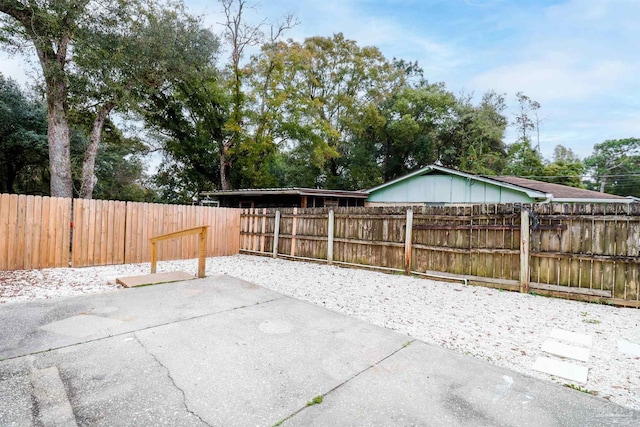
x=504, y=328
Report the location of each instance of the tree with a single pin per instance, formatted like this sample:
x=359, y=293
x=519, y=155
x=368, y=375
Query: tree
x=320, y=91
x=118, y=66
x=523, y=122
x=23, y=141
x=409, y=127
x=566, y=168
x=615, y=166
x=189, y=119
x=240, y=35
x=472, y=138
x=104, y=54
x=119, y=165
x=522, y=158
x=50, y=26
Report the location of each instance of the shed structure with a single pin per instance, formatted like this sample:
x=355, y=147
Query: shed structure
x=283, y=197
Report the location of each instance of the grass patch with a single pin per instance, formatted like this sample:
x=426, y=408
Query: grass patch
x=315, y=401
x=579, y=388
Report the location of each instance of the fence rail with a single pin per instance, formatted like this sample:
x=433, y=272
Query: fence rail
x=581, y=251
x=41, y=232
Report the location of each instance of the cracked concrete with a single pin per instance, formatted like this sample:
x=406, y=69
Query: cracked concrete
x=220, y=351
x=173, y=381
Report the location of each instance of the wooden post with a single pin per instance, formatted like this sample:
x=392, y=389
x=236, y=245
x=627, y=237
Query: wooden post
x=264, y=228
x=294, y=226
x=276, y=234
x=250, y=229
x=202, y=252
x=154, y=256
x=201, y=231
x=255, y=230
x=524, y=251
x=330, y=237
x=407, y=242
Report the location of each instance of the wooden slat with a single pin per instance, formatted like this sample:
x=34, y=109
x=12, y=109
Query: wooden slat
x=36, y=232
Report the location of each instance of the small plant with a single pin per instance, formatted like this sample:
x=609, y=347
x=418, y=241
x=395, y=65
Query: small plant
x=579, y=388
x=315, y=401
x=592, y=321
x=407, y=344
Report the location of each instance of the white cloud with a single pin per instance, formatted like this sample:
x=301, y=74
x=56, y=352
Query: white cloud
x=551, y=77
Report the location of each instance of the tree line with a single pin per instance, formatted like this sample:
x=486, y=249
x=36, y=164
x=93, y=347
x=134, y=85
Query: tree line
x=323, y=112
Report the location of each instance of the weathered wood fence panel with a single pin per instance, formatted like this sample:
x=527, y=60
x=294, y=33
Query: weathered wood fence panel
x=592, y=249
x=576, y=251
x=34, y=232
x=146, y=220
x=98, y=232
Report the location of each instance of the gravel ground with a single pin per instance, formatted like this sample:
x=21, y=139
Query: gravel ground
x=504, y=328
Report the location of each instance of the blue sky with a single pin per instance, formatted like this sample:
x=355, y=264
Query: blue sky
x=580, y=59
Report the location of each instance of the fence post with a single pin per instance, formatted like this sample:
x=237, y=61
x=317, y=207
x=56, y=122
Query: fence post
x=524, y=251
x=276, y=234
x=202, y=252
x=407, y=242
x=330, y=237
x=294, y=226
x=154, y=257
x=264, y=228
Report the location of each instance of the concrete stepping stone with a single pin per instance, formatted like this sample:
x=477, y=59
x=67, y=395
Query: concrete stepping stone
x=154, y=279
x=627, y=347
x=566, y=351
x=561, y=369
x=572, y=337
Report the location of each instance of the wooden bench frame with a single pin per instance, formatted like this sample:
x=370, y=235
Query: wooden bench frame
x=202, y=246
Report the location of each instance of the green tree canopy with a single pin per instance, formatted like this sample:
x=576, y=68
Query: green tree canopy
x=615, y=166
x=566, y=168
x=23, y=141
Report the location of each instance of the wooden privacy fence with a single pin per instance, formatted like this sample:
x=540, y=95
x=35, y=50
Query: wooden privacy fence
x=135, y=223
x=41, y=232
x=577, y=251
x=34, y=232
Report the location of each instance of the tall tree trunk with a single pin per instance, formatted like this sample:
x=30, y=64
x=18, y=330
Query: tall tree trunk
x=603, y=184
x=89, y=163
x=224, y=169
x=58, y=138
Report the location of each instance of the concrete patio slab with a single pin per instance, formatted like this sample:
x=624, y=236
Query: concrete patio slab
x=133, y=309
x=423, y=385
x=220, y=351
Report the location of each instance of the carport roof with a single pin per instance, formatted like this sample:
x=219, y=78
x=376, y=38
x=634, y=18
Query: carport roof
x=292, y=191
